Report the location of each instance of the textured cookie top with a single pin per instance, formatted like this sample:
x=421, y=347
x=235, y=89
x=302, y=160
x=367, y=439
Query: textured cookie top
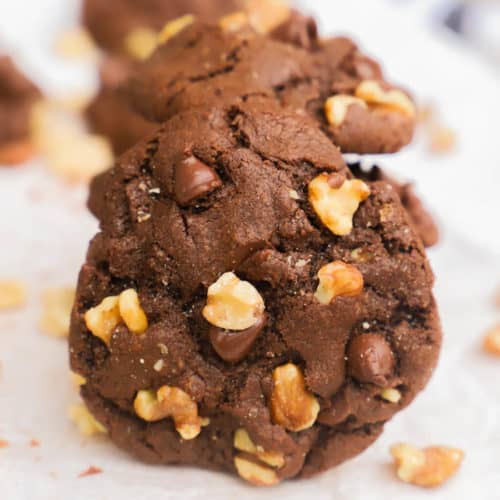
x=110, y=21
x=328, y=79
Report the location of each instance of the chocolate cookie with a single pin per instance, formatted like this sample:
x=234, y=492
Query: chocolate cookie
x=17, y=96
x=110, y=113
x=248, y=305
x=110, y=21
x=330, y=80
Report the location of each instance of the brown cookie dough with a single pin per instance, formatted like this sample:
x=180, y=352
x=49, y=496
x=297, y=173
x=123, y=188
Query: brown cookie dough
x=420, y=217
x=17, y=96
x=248, y=305
x=329, y=79
x=110, y=114
x=110, y=21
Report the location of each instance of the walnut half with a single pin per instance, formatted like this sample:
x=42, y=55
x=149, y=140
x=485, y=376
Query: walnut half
x=429, y=467
x=291, y=404
x=336, y=205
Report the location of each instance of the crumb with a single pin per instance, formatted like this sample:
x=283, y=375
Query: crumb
x=75, y=43
x=442, y=139
x=12, y=294
x=4, y=443
x=69, y=150
x=85, y=421
x=491, y=341
x=56, y=311
x=34, y=443
x=91, y=471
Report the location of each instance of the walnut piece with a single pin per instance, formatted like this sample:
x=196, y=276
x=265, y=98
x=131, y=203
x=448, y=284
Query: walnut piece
x=234, y=22
x=77, y=380
x=140, y=43
x=254, y=473
x=491, y=340
x=233, y=304
x=336, y=206
x=338, y=279
x=391, y=395
x=429, y=467
x=266, y=15
x=76, y=43
x=337, y=106
x=291, y=404
x=70, y=152
x=374, y=95
x=131, y=311
x=174, y=27
x=170, y=402
x=12, y=294
x=85, y=421
x=102, y=319
x=56, y=313
x=243, y=442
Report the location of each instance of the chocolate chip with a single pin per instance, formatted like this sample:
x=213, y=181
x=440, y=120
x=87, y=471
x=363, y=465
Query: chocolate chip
x=233, y=346
x=194, y=179
x=370, y=359
x=335, y=181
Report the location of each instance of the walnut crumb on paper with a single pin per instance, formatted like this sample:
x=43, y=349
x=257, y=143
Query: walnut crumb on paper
x=91, y=471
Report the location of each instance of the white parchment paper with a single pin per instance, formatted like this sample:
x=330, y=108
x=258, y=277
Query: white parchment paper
x=44, y=230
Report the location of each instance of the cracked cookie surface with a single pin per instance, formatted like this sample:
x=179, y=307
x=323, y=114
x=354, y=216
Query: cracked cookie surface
x=223, y=355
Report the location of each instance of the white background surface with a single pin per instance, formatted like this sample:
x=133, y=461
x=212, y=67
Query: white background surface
x=44, y=230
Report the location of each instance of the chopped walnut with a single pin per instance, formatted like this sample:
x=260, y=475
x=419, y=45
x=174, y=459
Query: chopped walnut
x=491, y=341
x=243, y=442
x=76, y=43
x=70, y=152
x=337, y=106
x=234, y=22
x=12, y=294
x=170, y=402
x=85, y=421
x=131, y=311
x=442, y=139
x=292, y=405
x=391, y=395
x=56, y=313
x=429, y=467
x=140, y=43
x=254, y=473
x=102, y=319
x=266, y=15
x=338, y=279
x=373, y=94
x=174, y=27
x=336, y=206
x=233, y=304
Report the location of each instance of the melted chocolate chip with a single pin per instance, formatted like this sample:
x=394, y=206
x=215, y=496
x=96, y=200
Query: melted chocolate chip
x=370, y=359
x=194, y=179
x=233, y=346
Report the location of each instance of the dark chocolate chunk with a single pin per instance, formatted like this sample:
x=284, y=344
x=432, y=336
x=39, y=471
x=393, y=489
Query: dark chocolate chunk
x=233, y=346
x=194, y=179
x=370, y=359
